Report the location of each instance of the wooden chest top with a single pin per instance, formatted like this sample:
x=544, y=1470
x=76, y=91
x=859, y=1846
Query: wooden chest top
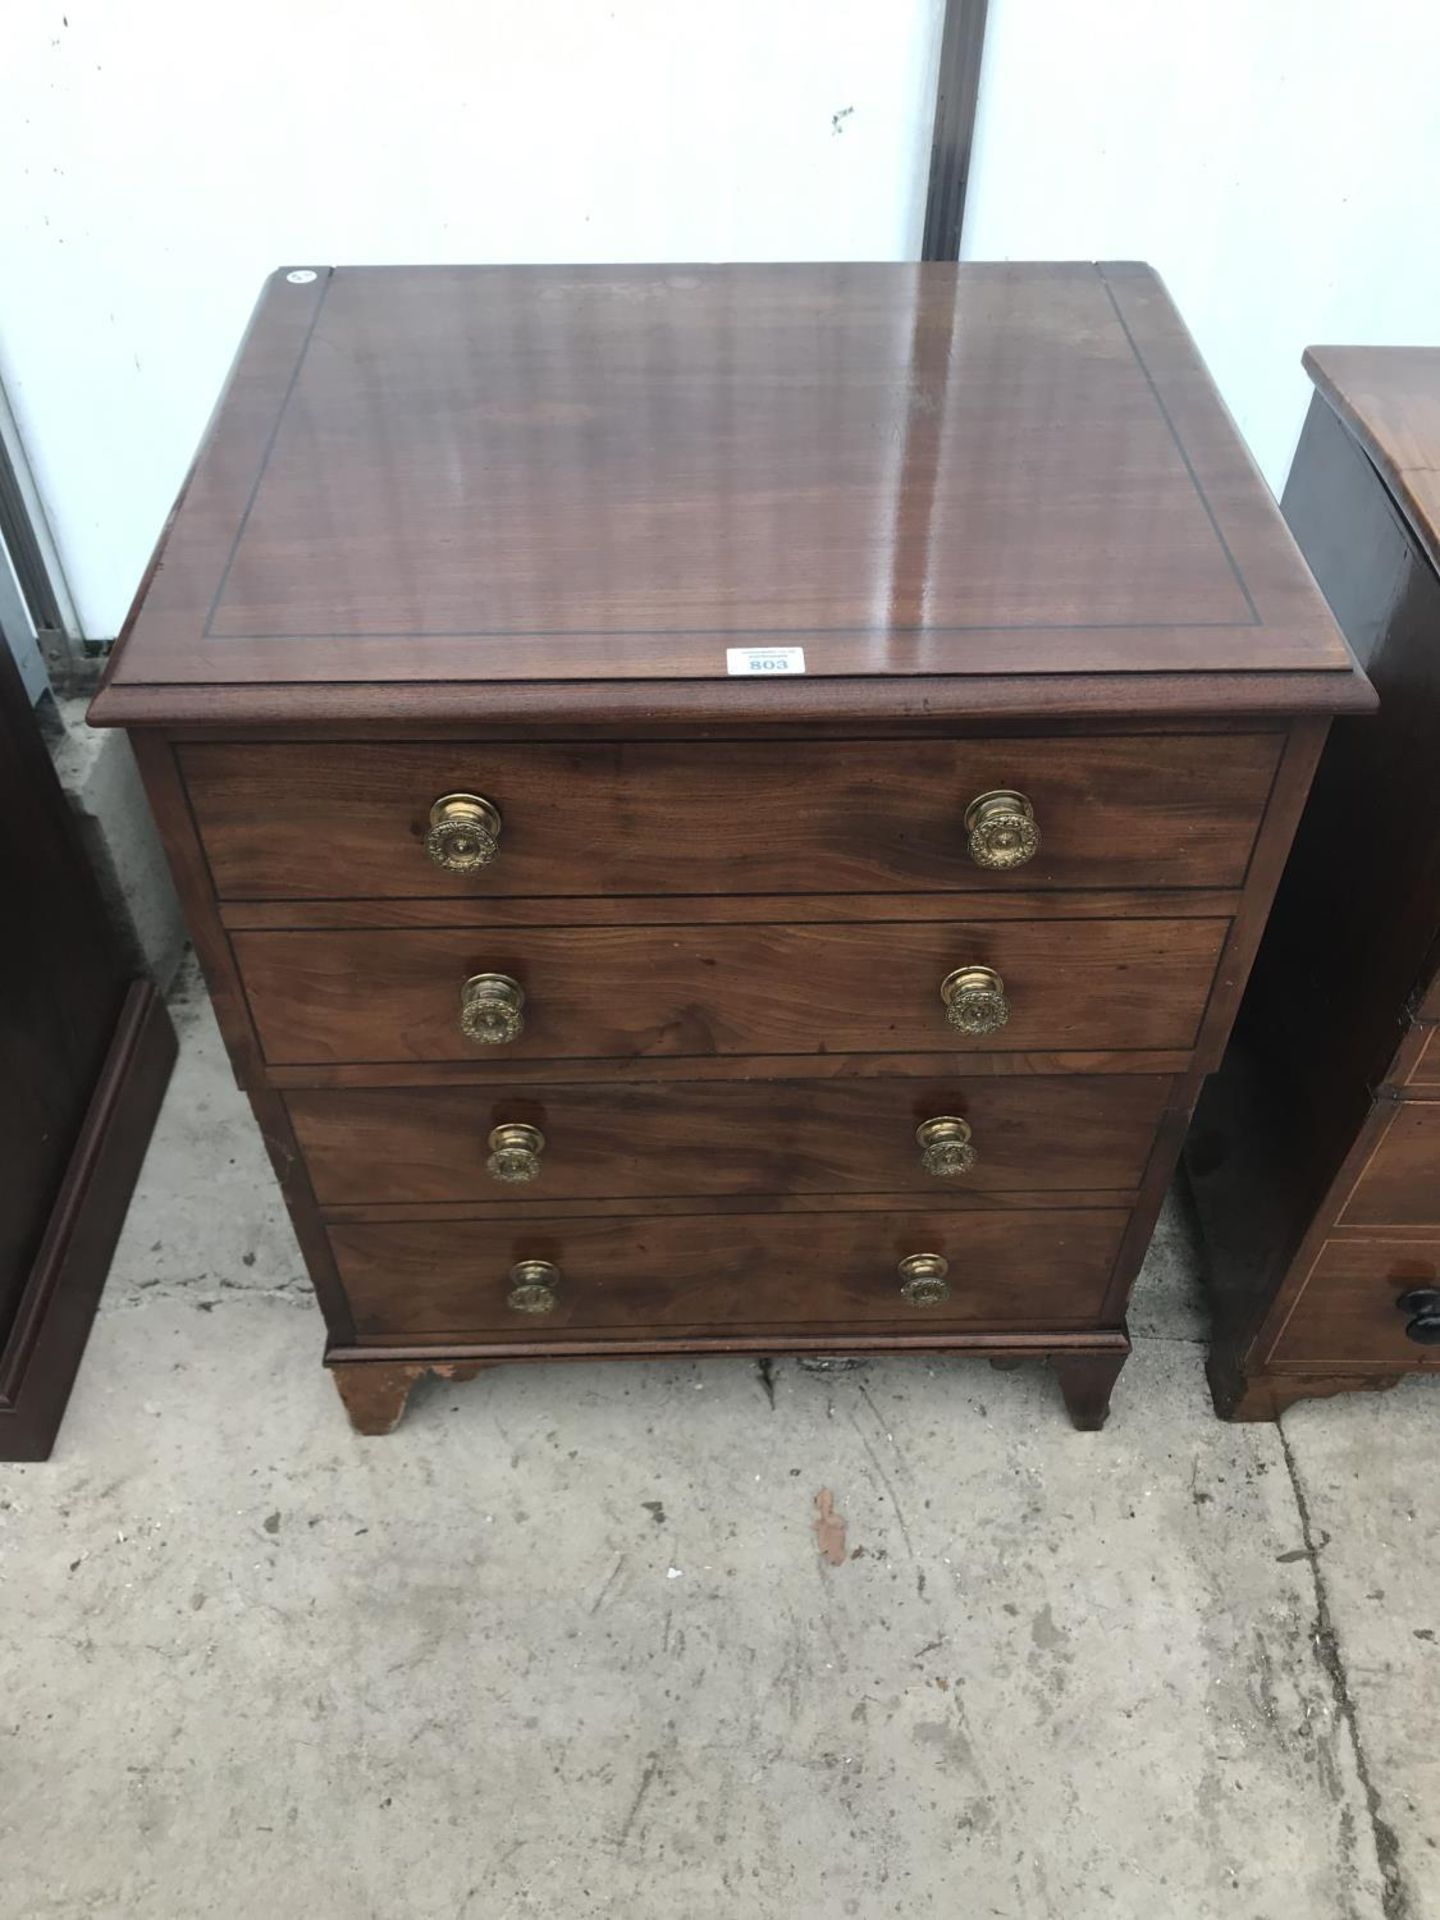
x=496, y=492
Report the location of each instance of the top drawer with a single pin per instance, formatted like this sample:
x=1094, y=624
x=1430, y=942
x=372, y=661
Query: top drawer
x=350, y=821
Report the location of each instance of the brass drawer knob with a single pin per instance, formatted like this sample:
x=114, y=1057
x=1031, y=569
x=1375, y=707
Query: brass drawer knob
x=945, y=1148
x=1002, y=830
x=532, y=1286
x=922, y=1279
x=490, y=1006
x=975, y=1000
x=514, y=1153
x=464, y=832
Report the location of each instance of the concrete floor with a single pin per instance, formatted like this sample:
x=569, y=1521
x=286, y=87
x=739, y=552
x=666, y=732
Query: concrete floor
x=564, y=1645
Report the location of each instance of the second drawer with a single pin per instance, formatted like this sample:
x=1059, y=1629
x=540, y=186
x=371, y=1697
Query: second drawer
x=1027, y=1134
x=619, y=992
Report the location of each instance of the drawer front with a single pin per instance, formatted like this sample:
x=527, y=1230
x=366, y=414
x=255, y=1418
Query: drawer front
x=602, y=992
x=1400, y=1186
x=1027, y=1135
x=1426, y=1071
x=315, y=821
x=1347, y=1313
x=732, y=1272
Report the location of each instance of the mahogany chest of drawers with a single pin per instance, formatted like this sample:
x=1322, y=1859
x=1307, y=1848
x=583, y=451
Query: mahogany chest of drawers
x=724, y=809
x=1316, y=1154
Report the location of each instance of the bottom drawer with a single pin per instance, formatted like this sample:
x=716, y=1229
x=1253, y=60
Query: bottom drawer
x=1347, y=1312
x=727, y=1272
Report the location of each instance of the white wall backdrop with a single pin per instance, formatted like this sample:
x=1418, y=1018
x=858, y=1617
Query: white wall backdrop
x=1276, y=160
x=159, y=157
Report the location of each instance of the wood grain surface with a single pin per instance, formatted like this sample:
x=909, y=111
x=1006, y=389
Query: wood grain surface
x=681, y=991
x=495, y=530
x=1400, y=1183
x=530, y=475
x=322, y=821
x=1345, y=1313
x=635, y=1275
x=770, y=1137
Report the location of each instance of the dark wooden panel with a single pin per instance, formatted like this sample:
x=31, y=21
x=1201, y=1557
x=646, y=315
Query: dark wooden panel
x=709, y=1271
x=1352, y=936
x=1265, y=1163
x=1345, y=1314
x=775, y=1137
x=1267, y=866
x=1400, y=1185
x=1291, y=1138
x=681, y=991
x=166, y=793
x=500, y=474
x=51, y=1324
x=85, y=1052
x=63, y=983
x=684, y=817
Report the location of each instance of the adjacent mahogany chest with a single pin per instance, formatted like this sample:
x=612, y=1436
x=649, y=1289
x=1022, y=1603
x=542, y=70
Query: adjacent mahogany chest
x=724, y=809
x=1316, y=1156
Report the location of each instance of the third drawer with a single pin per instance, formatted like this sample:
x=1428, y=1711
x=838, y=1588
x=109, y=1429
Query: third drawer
x=1027, y=1134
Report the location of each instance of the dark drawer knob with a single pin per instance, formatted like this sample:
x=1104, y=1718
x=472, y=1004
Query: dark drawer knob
x=464, y=832
x=922, y=1279
x=975, y=1000
x=514, y=1153
x=945, y=1148
x=490, y=1009
x=533, y=1285
x=1422, y=1306
x=1001, y=830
